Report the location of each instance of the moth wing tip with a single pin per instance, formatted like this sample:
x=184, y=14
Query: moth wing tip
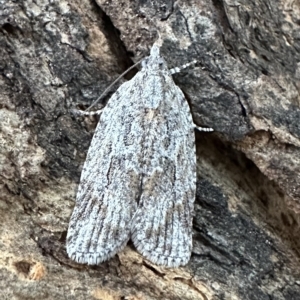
x=158, y=258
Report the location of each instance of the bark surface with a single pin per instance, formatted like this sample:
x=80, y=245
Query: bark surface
x=59, y=55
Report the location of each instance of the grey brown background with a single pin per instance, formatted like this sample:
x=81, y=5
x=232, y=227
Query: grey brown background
x=57, y=55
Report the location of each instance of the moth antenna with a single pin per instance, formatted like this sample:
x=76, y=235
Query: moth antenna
x=112, y=84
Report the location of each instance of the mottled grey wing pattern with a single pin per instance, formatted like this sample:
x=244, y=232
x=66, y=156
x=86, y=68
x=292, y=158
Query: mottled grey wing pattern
x=109, y=184
x=162, y=225
x=139, y=178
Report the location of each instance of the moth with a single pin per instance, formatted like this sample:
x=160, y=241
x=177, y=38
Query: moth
x=139, y=178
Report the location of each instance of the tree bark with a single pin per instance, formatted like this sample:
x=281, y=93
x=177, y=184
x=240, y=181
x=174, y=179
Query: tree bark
x=60, y=55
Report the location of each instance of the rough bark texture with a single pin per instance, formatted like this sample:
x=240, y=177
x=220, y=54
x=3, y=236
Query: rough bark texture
x=57, y=55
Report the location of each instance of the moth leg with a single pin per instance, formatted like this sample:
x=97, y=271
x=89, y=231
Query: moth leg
x=179, y=69
x=206, y=129
x=87, y=113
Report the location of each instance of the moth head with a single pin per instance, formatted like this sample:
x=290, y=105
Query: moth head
x=155, y=62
